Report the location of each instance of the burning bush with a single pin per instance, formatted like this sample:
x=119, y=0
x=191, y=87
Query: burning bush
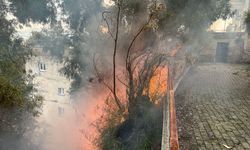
x=141, y=130
x=139, y=124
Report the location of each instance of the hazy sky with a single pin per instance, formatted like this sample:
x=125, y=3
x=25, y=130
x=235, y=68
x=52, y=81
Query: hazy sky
x=25, y=31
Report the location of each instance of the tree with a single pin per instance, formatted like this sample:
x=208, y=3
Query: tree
x=74, y=42
x=247, y=21
x=141, y=65
x=176, y=14
x=135, y=32
x=33, y=10
x=19, y=102
x=195, y=15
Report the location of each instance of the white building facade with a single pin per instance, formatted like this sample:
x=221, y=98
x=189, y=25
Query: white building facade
x=58, y=114
x=50, y=84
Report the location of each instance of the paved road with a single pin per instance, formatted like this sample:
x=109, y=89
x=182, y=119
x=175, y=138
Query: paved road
x=213, y=108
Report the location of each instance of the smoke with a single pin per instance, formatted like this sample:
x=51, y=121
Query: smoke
x=77, y=128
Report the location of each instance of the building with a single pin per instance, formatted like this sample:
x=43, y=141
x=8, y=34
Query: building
x=50, y=84
x=228, y=39
x=58, y=113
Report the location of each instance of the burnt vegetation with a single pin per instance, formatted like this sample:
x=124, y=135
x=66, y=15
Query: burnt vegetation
x=124, y=39
x=142, y=124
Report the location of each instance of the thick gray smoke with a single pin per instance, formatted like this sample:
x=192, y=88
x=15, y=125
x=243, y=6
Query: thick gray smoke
x=85, y=46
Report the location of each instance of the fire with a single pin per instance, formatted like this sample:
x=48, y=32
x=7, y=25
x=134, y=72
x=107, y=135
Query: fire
x=89, y=111
x=157, y=89
x=158, y=84
x=93, y=112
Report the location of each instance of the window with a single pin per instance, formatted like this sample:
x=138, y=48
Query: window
x=42, y=66
x=61, y=91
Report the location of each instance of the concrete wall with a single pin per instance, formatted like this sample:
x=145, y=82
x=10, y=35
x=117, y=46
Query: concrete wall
x=236, y=46
x=246, y=54
x=232, y=31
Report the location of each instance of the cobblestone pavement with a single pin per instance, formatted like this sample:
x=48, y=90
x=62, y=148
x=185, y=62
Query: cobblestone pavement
x=213, y=108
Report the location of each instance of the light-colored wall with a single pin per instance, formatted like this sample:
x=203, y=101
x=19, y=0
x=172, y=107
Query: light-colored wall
x=47, y=83
x=235, y=49
x=227, y=31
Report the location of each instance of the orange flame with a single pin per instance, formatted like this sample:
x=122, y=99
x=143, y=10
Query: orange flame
x=158, y=84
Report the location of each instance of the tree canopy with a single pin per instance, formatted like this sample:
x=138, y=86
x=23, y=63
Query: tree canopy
x=198, y=14
x=18, y=99
x=191, y=16
x=247, y=21
x=33, y=10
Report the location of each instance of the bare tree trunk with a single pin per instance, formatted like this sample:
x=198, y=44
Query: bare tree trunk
x=131, y=84
x=118, y=103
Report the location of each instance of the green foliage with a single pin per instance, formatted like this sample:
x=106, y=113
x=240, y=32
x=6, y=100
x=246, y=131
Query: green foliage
x=57, y=44
x=196, y=15
x=35, y=10
x=15, y=85
x=74, y=66
x=108, y=140
x=52, y=41
x=247, y=21
x=80, y=11
x=10, y=95
x=18, y=99
x=141, y=130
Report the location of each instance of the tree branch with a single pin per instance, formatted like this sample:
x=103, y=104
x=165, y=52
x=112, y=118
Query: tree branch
x=121, y=81
x=134, y=39
x=100, y=79
x=118, y=103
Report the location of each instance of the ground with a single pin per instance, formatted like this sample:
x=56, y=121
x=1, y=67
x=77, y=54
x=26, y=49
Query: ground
x=213, y=107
